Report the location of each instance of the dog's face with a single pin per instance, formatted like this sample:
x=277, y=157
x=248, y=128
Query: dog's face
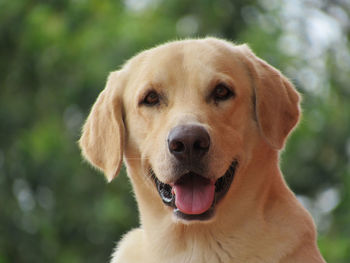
x=189, y=116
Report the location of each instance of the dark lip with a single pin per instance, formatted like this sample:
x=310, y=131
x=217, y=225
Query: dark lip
x=222, y=185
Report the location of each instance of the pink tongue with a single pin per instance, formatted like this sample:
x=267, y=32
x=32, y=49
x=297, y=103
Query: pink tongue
x=194, y=194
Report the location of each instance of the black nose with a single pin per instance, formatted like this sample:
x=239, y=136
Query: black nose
x=188, y=142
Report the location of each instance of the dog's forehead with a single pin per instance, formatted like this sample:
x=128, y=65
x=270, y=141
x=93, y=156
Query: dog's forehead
x=186, y=56
x=183, y=62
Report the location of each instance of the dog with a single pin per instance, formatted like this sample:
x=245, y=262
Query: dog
x=200, y=124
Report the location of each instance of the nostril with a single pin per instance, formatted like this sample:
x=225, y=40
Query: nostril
x=201, y=144
x=176, y=146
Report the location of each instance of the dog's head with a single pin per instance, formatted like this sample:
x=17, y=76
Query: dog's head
x=188, y=116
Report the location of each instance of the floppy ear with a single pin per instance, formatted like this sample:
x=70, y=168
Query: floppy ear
x=103, y=132
x=277, y=102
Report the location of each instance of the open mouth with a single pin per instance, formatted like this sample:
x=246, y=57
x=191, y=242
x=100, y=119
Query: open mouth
x=194, y=197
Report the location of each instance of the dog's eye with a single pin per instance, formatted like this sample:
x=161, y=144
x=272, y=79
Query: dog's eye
x=152, y=98
x=222, y=92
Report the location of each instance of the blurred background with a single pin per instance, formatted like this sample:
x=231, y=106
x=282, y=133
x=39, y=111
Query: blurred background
x=54, y=60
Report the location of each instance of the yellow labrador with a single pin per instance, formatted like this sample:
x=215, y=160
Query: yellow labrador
x=200, y=124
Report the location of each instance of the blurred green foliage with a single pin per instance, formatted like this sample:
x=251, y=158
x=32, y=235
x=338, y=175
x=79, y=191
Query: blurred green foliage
x=54, y=59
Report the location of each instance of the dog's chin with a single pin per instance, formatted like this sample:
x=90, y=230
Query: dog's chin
x=168, y=195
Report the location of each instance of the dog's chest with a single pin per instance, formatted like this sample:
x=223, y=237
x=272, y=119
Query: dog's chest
x=230, y=250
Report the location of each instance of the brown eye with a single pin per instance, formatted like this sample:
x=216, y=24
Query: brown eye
x=222, y=92
x=152, y=98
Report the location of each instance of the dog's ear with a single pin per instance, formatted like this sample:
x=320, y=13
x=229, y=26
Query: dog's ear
x=276, y=101
x=103, y=132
